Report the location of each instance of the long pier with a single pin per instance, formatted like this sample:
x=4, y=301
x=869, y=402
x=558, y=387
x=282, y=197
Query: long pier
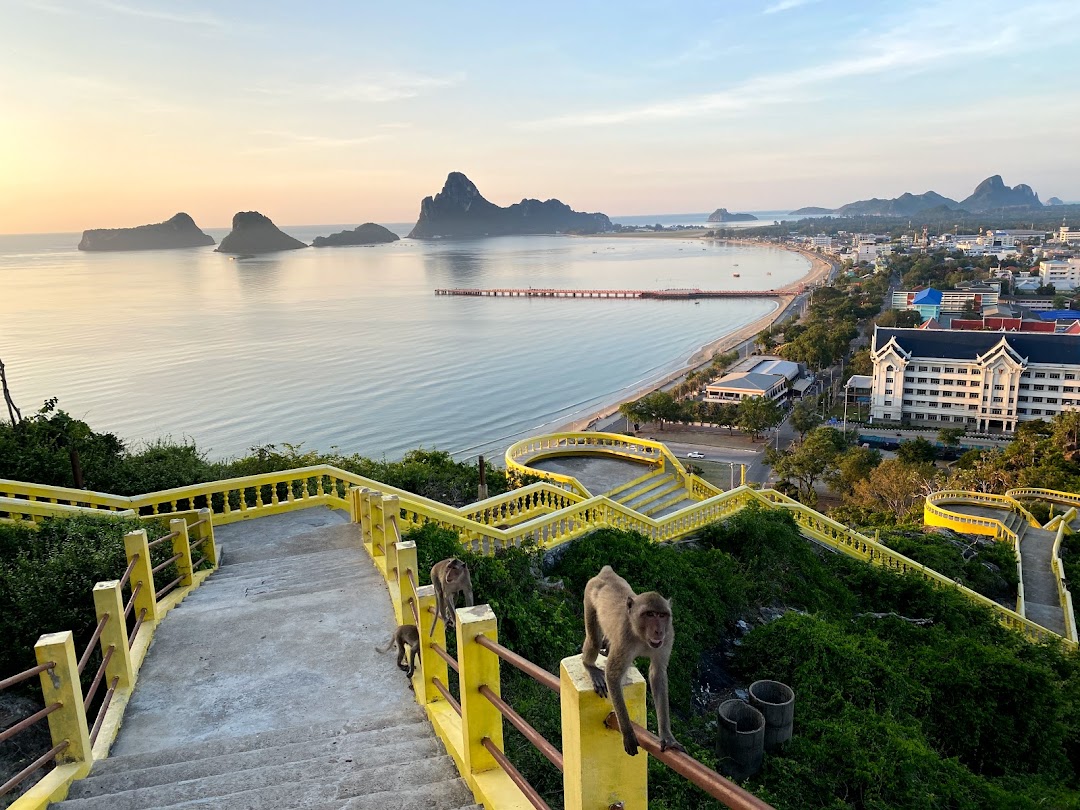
x=679, y=293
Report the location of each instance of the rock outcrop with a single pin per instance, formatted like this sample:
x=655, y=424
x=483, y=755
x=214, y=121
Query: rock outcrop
x=1055, y=201
x=723, y=215
x=178, y=232
x=459, y=210
x=992, y=193
x=367, y=234
x=254, y=233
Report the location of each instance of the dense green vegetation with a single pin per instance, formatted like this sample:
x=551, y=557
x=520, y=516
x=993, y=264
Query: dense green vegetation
x=40, y=449
x=960, y=714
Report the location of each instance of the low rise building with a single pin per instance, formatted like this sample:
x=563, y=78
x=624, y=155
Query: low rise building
x=759, y=375
x=985, y=381
x=1064, y=274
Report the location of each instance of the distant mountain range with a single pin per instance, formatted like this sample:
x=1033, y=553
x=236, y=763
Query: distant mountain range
x=990, y=195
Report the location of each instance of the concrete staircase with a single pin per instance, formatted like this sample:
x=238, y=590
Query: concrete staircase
x=263, y=690
x=656, y=496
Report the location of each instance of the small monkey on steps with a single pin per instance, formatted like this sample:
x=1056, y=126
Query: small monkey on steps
x=630, y=626
x=450, y=577
x=406, y=636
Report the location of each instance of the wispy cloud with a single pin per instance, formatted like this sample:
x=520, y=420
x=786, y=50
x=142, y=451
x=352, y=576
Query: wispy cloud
x=372, y=89
x=786, y=5
x=164, y=15
x=892, y=52
x=287, y=140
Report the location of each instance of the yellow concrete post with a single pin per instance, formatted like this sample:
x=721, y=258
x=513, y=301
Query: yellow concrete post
x=378, y=533
x=136, y=545
x=109, y=599
x=352, y=504
x=206, y=529
x=597, y=772
x=61, y=685
x=479, y=667
x=742, y=475
x=405, y=560
x=388, y=505
x=181, y=544
x=431, y=664
x=364, y=507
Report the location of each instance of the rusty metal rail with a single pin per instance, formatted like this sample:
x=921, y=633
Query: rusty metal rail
x=135, y=629
x=17, y=779
x=127, y=571
x=167, y=588
x=97, y=678
x=131, y=600
x=439, y=685
x=538, y=674
x=724, y=791
x=165, y=564
x=445, y=656
x=104, y=708
x=26, y=722
x=25, y=675
x=93, y=640
x=515, y=775
x=160, y=540
x=540, y=743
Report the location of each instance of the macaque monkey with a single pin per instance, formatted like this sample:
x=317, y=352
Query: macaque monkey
x=406, y=636
x=631, y=626
x=450, y=577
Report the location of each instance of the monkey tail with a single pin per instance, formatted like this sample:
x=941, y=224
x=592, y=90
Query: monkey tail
x=386, y=647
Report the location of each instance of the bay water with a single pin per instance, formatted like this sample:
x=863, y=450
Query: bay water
x=349, y=347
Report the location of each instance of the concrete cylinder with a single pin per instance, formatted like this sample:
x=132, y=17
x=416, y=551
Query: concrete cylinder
x=776, y=702
x=742, y=739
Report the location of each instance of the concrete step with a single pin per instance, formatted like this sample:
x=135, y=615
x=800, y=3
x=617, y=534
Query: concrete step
x=306, y=784
x=671, y=486
x=386, y=722
x=643, y=487
x=664, y=504
x=674, y=506
x=365, y=747
x=294, y=562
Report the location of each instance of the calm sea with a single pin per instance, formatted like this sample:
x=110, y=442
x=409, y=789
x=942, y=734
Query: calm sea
x=349, y=347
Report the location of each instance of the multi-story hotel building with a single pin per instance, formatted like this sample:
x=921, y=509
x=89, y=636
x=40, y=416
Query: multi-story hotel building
x=984, y=381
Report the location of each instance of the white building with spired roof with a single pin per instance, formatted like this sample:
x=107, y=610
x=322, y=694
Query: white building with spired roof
x=984, y=381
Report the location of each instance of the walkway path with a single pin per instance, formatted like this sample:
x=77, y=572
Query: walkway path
x=1036, y=545
x=263, y=689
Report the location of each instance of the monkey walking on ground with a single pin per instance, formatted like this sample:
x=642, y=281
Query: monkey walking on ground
x=450, y=577
x=406, y=636
x=631, y=625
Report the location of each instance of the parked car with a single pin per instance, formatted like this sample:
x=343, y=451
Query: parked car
x=695, y=454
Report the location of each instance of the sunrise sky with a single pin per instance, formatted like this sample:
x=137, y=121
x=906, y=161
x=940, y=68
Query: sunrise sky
x=122, y=112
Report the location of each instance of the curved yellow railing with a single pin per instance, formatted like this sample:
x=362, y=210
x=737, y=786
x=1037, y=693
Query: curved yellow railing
x=1058, y=567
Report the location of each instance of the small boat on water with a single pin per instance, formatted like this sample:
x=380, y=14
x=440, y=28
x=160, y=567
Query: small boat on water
x=735, y=274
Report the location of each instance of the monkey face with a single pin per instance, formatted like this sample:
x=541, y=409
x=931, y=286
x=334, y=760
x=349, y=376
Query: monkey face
x=454, y=570
x=650, y=615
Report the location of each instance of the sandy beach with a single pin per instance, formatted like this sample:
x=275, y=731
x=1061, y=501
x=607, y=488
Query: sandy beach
x=820, y=267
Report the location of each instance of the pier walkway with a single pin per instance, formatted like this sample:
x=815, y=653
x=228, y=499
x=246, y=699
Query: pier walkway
x=673, y=294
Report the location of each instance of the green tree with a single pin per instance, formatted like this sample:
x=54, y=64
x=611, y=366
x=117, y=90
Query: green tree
x=757, y=414
x=808, y=462
x=765, y=340
x=851, y=466
x=804, y=418
x=918, y=451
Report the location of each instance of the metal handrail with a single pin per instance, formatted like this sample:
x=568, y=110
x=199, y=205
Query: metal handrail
x=515, y=775
x=93, y=640
x=415, y=613
x=26, y=722
x=538, y=674
x=17, y=779
x=539, y=742
x=135, y=629
x=97, y=677
x=167, y=588
x=196, y=563
x=104, y=708
x=445, y=656
x=721, y=789
x=441, y=687
x=131, y=600
x=165, y=564
x=169, y=536
x=127, y=571
x=25, y=675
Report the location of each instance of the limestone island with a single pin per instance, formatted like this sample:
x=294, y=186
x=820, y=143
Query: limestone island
x=254, y=233
x=367, y=234
x=459, y=210
x=178, y=232
x=723, y=215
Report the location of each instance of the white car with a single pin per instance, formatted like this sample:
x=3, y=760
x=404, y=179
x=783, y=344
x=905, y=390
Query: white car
x=695, y=454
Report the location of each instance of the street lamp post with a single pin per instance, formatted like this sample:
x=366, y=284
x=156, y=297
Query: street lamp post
x=731, y=465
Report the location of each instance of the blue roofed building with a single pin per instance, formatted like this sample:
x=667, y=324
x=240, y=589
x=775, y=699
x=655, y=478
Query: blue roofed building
x=928, y=303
